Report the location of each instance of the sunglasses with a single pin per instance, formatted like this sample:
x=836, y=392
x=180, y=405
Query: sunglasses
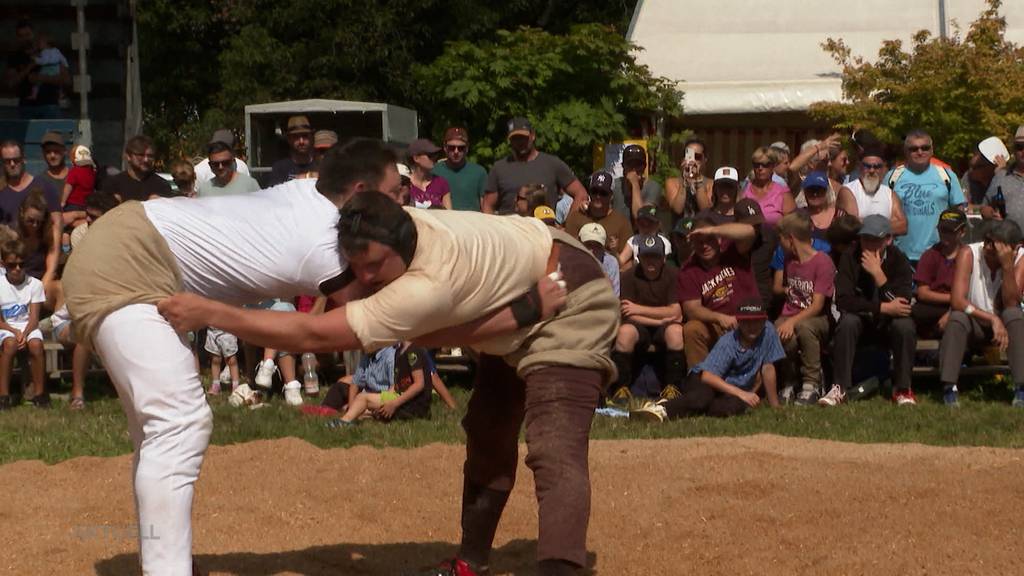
x=1018, y=146
x=868, y=166
x=14, y=161
x=456, y=148
x=14, y=265
x=922, y=148
x=763, y=165
x=221, y=163
x=815, y=191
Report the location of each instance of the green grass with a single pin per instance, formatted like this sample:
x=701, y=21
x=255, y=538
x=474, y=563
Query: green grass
x=984, y=419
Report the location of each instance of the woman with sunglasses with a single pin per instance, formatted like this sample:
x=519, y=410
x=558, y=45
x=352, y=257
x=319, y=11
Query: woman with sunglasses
x=691, y=192
x=868, y=194
x=427, y=190
x=35, y=228
x=774, y=198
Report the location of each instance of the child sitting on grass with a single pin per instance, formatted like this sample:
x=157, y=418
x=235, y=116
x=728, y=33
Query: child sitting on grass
x=727, y=382
x=407, y=398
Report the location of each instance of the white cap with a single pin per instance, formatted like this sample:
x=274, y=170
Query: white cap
x=727, y=173
x=83, y=156
x=403, y=170
x=593, y=232
x=991, y=147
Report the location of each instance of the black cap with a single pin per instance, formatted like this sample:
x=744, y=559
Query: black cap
x=684, y=226
x=633, y=152
x=601, y=182
x=519, y=126
x=748, y=211
x=650, y=244
x=649, y=212
x=751, y=309
x=952, y=220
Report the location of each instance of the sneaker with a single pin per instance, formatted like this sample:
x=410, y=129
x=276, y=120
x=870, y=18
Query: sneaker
x=669, y=392
x=833, y=398
x=265, y=373
x=806, y=398
x=650, y=412
x=455, y=567
x=1018, y=398
x=214, y=389
x=951, y=397
x=225, y=376
x=904, y=397
x=293, y=393
x=786, y=395
x=41, y=400
x=339, y=423
x=621, y=397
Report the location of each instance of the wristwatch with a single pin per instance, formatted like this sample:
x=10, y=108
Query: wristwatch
x=969, y=310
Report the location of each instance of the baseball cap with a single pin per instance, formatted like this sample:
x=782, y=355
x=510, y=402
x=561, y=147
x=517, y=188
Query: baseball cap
x=780, y=146
x=601, y=181
x=52, y=137
x=650, y=244
x=224, y=136
x=544, y=213
x=727, y=173
x=456, y=133
x=952, y=220
x=423, y=146
x=875, y=225
x=403, y=170
x=633, y=152
x=684, y=227
x=299, y=125
x=751, y=309
x=748, y=211
x=815, y=179
x=83, y=156
x=1020, y=133
x=323, y=139
x=519, y=126
x=593, y=232
x=649, y=212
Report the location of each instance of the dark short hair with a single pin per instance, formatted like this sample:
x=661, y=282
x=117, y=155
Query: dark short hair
x=15, y=247
x=215, y=147
x=138, y=144
x=375, y=217
x=358, y=159
x=12, y=144
x=101, y=201
x=844, y=229
x=1005, y=231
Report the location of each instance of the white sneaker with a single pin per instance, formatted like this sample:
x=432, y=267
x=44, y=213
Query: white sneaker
x=225, y=376
x=265, y=373
x=292, y=393
x=650, y=412
x=833, y=398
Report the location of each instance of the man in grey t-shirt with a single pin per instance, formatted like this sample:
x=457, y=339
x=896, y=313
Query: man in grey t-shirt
x=226, y=180
x=525, y=166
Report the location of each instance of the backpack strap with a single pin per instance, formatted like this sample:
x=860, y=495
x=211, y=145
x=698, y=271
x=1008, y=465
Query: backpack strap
x=897, y=173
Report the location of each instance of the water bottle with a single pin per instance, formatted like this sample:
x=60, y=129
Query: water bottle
x=310, y=379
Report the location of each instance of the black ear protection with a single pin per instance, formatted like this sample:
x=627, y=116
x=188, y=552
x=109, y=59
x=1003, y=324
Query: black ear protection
x=402, y=240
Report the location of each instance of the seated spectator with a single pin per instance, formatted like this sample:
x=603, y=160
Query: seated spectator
x=223, y=347
x=226, y=180
x=408, y=397
x=594, y=237
x=599, y=210
x=874, y=285
x=650, y=315
x=202, y=172
x=807, y=283
x=78, y=186
x=728, y=381
x=934, y=276
x=1005, y=196
x=139, y=181
x=841, y=236
x=723, y=193
x=35, y=228
x=648, y=224
x=868, y=194
x=821, y=215
x=21, y=302
x=986, y=307
x=713, y=283
x=428, y=190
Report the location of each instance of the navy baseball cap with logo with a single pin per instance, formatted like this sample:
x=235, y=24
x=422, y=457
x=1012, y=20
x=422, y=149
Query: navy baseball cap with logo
x=751, y=309
x=748, y=211
x=650, y=244
x=684, y=227
x=952, y=221
x=649, y=212
x=519, y=126
x=601, y=182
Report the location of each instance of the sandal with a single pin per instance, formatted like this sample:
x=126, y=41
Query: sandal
x=77, y=403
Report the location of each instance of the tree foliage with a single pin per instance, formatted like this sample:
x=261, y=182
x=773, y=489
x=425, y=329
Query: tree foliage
x=577, y=89
x=962, y=89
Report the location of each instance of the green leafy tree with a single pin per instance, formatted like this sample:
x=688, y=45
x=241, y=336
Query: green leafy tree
x=577, y=89
x=960, y=89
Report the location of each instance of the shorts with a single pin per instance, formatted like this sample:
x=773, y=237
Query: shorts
x=275, y=304
x=220, y=343
x=36, y=334
x=648, y=335
x=388, y=396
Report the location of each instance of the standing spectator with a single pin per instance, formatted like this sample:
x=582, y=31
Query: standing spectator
x=139, y=182
x=728, y=382
x=184, y=176
x=976, y=180
x=600, y=210
x=647, y=225
x=814, y=157
x=774, y=198
x=21, y=301
x=55, y=156
x=21, y=185
x=594, y=238
x=807, y=283
x=691, y=192
x=925, y=189
x=868, y=193
x=225, y=179
x=713, y=283
x=427, y=190
x=405, y=184
x=527, y=165
x=634, y=190
x=78, y=186
x=780, y=153
x=874, y=285
x=650, y=315
x=35, y=228
x=36, y=72
x=222, y=347
x=934, y=276
x=1005, y=195
x=300, y=159
x=202, y=169
x=467, y=180
x=681, y=249
x=322, y=142
x=985, y=307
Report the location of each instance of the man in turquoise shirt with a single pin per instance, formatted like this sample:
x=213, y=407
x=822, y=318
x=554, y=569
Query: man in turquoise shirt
x=926, y=188
x=466, y=179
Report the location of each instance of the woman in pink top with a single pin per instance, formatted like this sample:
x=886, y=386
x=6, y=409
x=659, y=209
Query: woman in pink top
x=427, y=190
x=774, y=198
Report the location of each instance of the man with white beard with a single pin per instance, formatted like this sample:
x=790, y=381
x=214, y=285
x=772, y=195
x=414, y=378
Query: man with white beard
x=869, y=195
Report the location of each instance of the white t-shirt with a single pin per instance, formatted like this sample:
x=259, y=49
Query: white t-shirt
x=867, y=204
x=204, y=174
x=15, y=300
x=280, y=242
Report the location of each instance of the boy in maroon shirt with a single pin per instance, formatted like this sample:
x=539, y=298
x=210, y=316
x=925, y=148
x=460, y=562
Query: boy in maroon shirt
x=934, y=276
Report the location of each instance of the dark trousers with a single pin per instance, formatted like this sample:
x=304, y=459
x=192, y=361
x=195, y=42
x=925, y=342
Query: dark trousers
x=963, y=331
x=926, y=318
x=557, y=404
x=699, y=399
x=853, y=330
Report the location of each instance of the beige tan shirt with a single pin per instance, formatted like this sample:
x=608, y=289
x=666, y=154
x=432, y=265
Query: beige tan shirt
x=466, y=265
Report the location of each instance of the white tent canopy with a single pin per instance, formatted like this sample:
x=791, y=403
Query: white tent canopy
x=749, y=56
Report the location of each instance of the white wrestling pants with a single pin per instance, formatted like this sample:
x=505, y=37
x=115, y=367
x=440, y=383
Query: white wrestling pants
x=170, y=425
